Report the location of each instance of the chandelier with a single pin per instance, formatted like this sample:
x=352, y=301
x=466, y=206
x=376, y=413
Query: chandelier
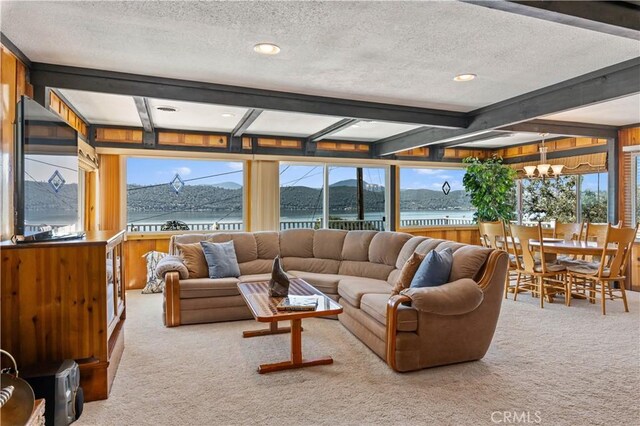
x=544, y=169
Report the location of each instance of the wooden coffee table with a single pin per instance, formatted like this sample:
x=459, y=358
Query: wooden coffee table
x=264, y=309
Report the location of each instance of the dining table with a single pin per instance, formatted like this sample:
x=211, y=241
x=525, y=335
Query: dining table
x=578, y=248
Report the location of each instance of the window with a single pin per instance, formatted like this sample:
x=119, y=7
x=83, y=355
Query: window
x=181, y=194
x=51, y=189
x=301, y=196
x=433, y=197
x=549, y=199
x=593, y=197
x=637, y=189
x=303, y=203
x=344, y=210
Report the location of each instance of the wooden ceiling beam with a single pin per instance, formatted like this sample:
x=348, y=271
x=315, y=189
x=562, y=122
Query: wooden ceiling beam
x=606, y=84
x=618, y=18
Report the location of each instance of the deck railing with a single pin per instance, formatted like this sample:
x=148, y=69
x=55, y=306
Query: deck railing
x=345, y=224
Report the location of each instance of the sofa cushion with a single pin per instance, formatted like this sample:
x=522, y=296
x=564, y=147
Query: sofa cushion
x=296, y=243
x=376, y=306
x=467, y=262
x=434, y=270
x=221, y=259
x=407, y=250
x=326, y=283
x=254, y=278
x=427, y=245
x=353, y=288
x=385, y=247
x=356, y=245
x=258, y=266
x=320, y=266
x=208, y=287
x=365, y=269
x=193, y=258
x=454, y=246
x=407, y=273
x=244, y=242
x=328, y=243
x=268, y=244
x=185, y=239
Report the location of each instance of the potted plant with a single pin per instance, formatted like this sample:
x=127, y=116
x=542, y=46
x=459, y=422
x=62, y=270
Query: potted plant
x=491, y=188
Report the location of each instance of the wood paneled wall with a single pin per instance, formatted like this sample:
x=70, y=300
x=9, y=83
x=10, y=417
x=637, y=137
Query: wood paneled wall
x=557, y=145
x=66, y=113
x=13, y=79
x=110, y=196
x=135, y=274
x=628, y=137
x=462, y=234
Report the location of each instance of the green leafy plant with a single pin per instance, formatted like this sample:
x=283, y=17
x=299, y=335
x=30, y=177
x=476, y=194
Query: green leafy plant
x=490, y=185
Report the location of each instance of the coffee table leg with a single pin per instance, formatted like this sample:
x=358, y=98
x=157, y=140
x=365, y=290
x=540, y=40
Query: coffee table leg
x=273, y=329
x=296, y=353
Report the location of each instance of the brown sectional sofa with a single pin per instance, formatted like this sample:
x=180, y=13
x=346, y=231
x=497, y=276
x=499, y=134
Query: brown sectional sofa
x=417, y=329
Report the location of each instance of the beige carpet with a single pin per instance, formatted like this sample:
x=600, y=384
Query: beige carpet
x=561, y=365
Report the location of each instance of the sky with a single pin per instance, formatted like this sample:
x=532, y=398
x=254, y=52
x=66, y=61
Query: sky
x=431, y=178
x=590, y=181
x=148, y=171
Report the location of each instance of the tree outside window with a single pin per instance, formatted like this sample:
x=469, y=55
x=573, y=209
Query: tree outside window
x=549, y=199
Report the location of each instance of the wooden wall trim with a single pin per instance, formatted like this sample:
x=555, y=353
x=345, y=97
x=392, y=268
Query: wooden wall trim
x=13, y=83
x=60, y=107
x=111, y=206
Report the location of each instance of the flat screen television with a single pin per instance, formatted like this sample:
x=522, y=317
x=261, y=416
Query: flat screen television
x=46, y=174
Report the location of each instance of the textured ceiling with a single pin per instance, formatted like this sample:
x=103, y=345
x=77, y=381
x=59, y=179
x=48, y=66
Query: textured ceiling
x=619, y=112
x=508, y=139
x=104, y=108
x=368, y=131
x=394, y=52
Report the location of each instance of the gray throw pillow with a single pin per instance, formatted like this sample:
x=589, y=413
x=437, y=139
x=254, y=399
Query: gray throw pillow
x=434, y=269
x=221, y=259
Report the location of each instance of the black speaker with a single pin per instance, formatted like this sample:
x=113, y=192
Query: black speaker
x=59, y=384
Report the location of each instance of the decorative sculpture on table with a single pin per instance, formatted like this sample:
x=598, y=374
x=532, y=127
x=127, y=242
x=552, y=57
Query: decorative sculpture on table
x=279, y=282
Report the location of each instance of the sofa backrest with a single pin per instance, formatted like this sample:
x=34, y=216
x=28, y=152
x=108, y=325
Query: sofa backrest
x=369, y=254
x=255, y=250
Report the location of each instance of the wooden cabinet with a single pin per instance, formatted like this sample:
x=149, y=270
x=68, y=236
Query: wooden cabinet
x=66, y=300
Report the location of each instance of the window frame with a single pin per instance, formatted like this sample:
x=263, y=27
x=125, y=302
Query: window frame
x=124, y=196
x=431, y=166
x=325, y=179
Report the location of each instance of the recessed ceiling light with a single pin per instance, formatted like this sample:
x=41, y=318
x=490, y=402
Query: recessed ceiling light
x=266, y=49
x=228, y=114
x=355, y=126
x=166, y=108
x=464, y=77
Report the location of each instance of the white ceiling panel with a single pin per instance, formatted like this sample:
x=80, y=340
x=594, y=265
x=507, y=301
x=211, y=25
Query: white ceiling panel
x=290, y=123
x=397, y=52
x=368, y=131
x=103, y=108
x=508, y=139
x=619, y=112
x=195, y=116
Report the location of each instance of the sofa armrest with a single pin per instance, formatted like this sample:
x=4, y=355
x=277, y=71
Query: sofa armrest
x=394, y=303
x=170, y=264
x=172, y=299
x=455, y=298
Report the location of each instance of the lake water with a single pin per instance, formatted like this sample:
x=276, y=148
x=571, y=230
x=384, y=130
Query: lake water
x=66, y=218
x=207, y=217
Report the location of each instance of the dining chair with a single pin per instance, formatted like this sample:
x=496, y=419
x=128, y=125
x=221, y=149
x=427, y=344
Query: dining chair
x=544, y=278
x=611, y=268
x=569, y=231
x=494, y=235
x=598, y=231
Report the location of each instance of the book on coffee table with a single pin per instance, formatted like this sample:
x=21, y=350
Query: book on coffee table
x=298, y=303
